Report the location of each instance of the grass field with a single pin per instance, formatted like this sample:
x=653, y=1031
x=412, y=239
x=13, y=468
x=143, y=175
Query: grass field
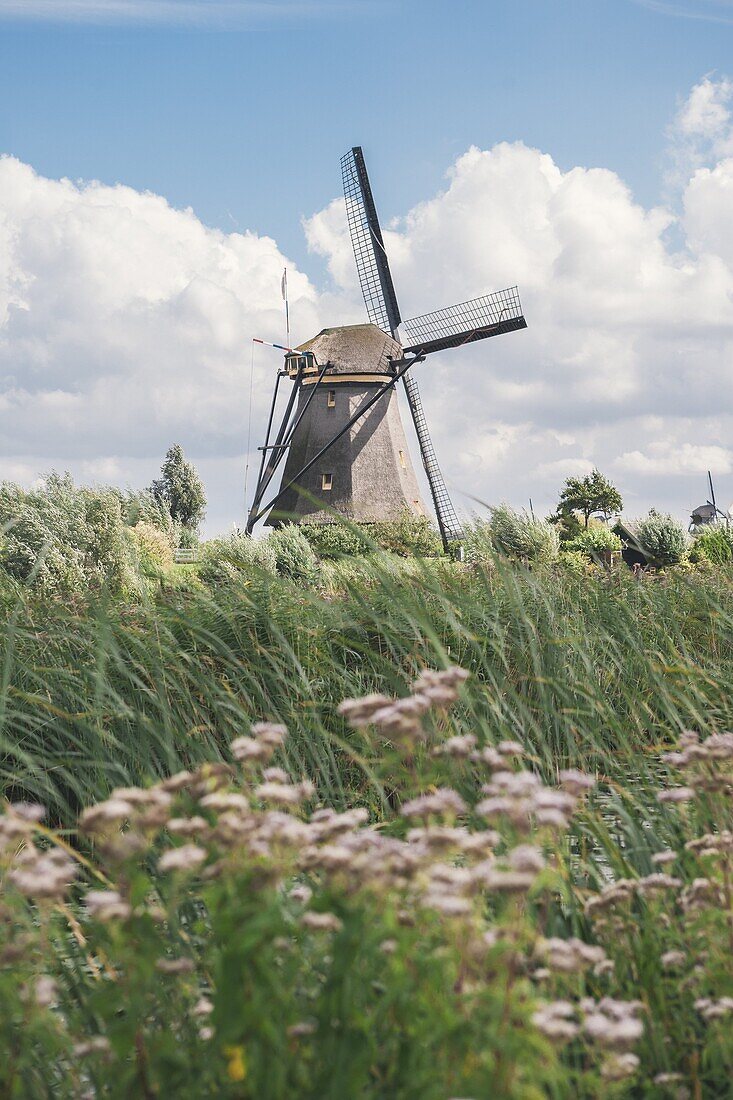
x=599, y=672
x=587, y=671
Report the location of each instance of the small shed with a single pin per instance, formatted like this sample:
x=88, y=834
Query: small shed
x=632, y=552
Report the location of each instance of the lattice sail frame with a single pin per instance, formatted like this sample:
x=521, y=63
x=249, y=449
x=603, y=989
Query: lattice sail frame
x=450, y=527
x=477, y=319
x=366, y=237
x=452, y=327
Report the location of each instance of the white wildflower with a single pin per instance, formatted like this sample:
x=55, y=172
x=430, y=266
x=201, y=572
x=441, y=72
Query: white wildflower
x=576, y=782
x=676, y=794
x=556, y=1020
x=187, y=826
x=185, y=858
x=249, y=748
x=111, y=812
x=510, y=748
x=174, y=966
x=106, y=905
x=98, y=1044
x=442, y=802
x=45, y=991
x=671, y=960
x=619, y=1066
x=459, y=747
x=321, y=922
x=527, y=858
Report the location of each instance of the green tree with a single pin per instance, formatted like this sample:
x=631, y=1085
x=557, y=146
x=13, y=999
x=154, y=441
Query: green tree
x=180, y=489
x=590, y=495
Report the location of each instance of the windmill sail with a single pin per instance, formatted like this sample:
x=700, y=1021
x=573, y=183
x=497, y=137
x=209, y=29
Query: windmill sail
x=450, y=528
x=381, y=303
x=490, y=315
x=366, y=237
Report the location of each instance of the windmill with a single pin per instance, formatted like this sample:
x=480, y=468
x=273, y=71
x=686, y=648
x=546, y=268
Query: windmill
x=341, y=434
x=708, y=512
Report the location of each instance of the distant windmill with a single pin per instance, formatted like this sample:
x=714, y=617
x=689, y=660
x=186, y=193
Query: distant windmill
x=708, y=512
x=341, y=431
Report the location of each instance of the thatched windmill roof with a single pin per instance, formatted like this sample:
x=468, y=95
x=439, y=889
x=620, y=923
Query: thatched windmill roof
x=353, y=349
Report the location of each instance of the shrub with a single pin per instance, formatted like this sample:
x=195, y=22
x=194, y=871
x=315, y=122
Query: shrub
x=519, y=536
x=153, y=550
x=662, y=538
x=231, y=558
x=594, y=541
x=295, y=558
x=337, y=540
x=64, y=539
x=713, y=543
x=408, y=536
x=577, y=562
x=140, y=506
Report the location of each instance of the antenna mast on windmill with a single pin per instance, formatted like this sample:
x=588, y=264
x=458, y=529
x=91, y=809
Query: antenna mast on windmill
x=341, y=434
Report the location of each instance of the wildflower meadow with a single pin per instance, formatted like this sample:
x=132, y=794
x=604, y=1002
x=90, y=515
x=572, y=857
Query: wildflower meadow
x=414, y=828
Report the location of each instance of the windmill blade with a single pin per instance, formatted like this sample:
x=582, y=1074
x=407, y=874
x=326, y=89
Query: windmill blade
x=366, y=238
x=450, y=528
x=491, y=315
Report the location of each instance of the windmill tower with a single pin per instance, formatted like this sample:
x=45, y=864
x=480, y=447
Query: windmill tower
x=341, y=434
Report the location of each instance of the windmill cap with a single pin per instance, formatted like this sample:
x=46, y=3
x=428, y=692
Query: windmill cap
x=353, y=349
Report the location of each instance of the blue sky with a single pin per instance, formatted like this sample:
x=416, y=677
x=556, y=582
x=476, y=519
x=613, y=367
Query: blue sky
x=244, y=117
x=601, y=181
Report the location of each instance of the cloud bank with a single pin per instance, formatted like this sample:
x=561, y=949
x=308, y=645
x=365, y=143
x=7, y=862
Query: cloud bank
x=125, y=325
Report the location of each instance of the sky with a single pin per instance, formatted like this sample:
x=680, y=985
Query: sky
x=163, y=160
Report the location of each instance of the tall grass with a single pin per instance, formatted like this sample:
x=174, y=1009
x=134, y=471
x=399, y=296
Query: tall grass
x=594, y=672
x=599, y=671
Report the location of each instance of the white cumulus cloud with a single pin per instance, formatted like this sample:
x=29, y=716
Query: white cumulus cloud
x=126, y=324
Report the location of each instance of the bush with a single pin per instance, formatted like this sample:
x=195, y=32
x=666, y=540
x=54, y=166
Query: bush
x=226, y=559
x=577, y=562
x=594, y=541
x=408, y=536
x=519, y=536
x=295, y=558
x=713, y=543
x=662, y=538
x=153, y=550
x=140, y=506
x=185, y=537
x=338, y=539
x=65, y=539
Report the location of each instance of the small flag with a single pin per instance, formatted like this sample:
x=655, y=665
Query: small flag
x=284, y=290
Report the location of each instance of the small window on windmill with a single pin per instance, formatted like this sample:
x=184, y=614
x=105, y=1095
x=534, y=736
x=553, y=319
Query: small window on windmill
x=403, y=464
x=331, y=399
x=326, y=482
